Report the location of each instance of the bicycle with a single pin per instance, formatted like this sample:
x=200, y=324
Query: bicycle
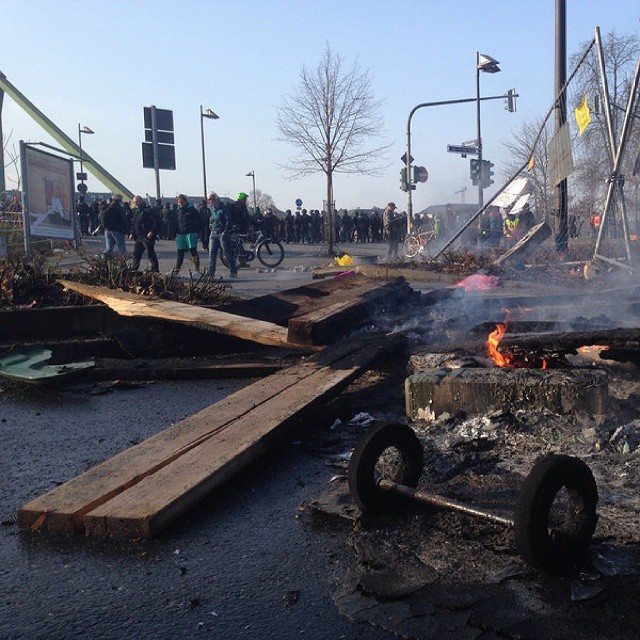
x=418, y=243
x=269, y=252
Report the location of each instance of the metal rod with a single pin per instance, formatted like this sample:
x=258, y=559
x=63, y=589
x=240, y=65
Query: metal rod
x=156, y=153
x=444, y=503
x=561, y=189
x=204, y=164
x=479, y=144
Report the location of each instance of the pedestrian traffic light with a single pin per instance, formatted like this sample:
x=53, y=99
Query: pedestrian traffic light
x=403, y=179
x=474, y=170
x=510, y=101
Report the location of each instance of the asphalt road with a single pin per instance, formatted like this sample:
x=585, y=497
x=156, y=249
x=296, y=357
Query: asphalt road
x=246, y=563
x=255, y=280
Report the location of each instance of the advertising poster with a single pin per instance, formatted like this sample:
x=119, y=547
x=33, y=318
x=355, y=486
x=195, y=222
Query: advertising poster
x=49, y=181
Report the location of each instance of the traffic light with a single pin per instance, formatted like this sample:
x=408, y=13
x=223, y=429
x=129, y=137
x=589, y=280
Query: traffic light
x=474, y=170
x=403, y=179
x=510, y=101
x=487, y=173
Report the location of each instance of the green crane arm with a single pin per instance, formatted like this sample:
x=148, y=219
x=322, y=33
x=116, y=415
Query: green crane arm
x=63, y=139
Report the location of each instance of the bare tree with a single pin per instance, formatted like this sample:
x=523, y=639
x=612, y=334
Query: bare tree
x=329, y=119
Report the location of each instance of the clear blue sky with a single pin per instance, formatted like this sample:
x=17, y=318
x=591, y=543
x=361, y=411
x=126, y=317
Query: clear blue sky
x=98, y=63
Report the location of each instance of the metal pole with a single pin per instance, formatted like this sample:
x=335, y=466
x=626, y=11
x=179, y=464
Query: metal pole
x=80, y=145
x=438, y=103
x=612, y=148
x=3, y=185
x=156, y=160
x=408, y=170
x=480, y=172
x=255, y=204
x=561, y=201
x=26, y=218
x=204, y=165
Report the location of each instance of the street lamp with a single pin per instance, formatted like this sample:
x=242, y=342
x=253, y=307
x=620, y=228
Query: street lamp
x=255, y=205
x=82, y=130
x=486, y=64
x=212, y=116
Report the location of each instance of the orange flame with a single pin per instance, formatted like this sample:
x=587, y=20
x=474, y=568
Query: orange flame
x=492, y=346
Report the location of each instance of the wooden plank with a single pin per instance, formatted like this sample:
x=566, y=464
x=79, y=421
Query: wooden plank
x=350, y=311
x=126, y=371
x=64, y=506
x=280, y=306
x=151, y=505
x=535, y=236
x=130, y=304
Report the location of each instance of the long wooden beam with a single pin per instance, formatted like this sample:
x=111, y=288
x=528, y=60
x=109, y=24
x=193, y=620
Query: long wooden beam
x=130, y=304
x=240, y=427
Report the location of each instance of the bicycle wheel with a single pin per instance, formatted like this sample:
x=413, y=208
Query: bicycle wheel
x=270, y=253
x=223, y=259
x=411, y=246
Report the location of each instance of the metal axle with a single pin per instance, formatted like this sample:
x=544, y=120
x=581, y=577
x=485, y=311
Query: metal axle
x=443, y=503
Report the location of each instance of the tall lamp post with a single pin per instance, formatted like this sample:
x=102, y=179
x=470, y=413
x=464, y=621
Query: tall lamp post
x=486, y=64
x=255, y=204
x=212, y=116
x=87, y=131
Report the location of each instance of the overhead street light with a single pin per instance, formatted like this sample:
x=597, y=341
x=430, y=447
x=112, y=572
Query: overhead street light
x=255, y=205
x=484, y=64
x=212, y=116
x=86, y=131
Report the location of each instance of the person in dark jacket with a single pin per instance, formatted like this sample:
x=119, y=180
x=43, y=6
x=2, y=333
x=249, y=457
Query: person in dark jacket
x=205, y=214
x=187, y=237
x=83, y=212
x=144, y=231
x=221, y=224
x=115, y=227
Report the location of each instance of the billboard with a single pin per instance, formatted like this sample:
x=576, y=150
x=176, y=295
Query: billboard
x=48, y=184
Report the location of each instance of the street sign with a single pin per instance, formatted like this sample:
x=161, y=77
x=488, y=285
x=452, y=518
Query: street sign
x=164, y=137
x=422, y=175
x=82, y=188
x=298, y=202
x=164, y=119
x=81, y=176
x=404, y=158
x=452, y=148
x=166, y=156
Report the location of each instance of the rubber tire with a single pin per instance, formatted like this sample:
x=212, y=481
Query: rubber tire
x=362, y=482
x=411, y=247
x=223, y=257
x=274, y=253
x=537, y=547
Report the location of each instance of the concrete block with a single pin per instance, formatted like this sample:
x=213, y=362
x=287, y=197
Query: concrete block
x=477, y=391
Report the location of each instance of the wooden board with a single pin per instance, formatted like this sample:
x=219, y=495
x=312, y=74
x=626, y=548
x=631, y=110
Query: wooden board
x=63, y=509
x=130, y=304
x=534, y=237
x=350, y=310
x=147, y=508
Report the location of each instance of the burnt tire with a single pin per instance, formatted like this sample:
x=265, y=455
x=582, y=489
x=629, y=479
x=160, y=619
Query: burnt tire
x=556, y=549
x=363, y=482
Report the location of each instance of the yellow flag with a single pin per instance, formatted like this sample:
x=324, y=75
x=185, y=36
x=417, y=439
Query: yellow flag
x=531, y=163
x=583, y=117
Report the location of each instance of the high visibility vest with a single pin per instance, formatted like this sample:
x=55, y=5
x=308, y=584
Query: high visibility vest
x=511, y=227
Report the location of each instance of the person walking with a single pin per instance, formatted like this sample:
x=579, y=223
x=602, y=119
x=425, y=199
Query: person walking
x=187, y=236
x=115, y=226
x=144, y=232
x=219, y=240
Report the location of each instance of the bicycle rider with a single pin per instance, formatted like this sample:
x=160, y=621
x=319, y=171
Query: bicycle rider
x=222, y=223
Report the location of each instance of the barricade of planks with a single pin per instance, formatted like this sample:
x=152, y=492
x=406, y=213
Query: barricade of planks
x=140, y=491
x=313, y=315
